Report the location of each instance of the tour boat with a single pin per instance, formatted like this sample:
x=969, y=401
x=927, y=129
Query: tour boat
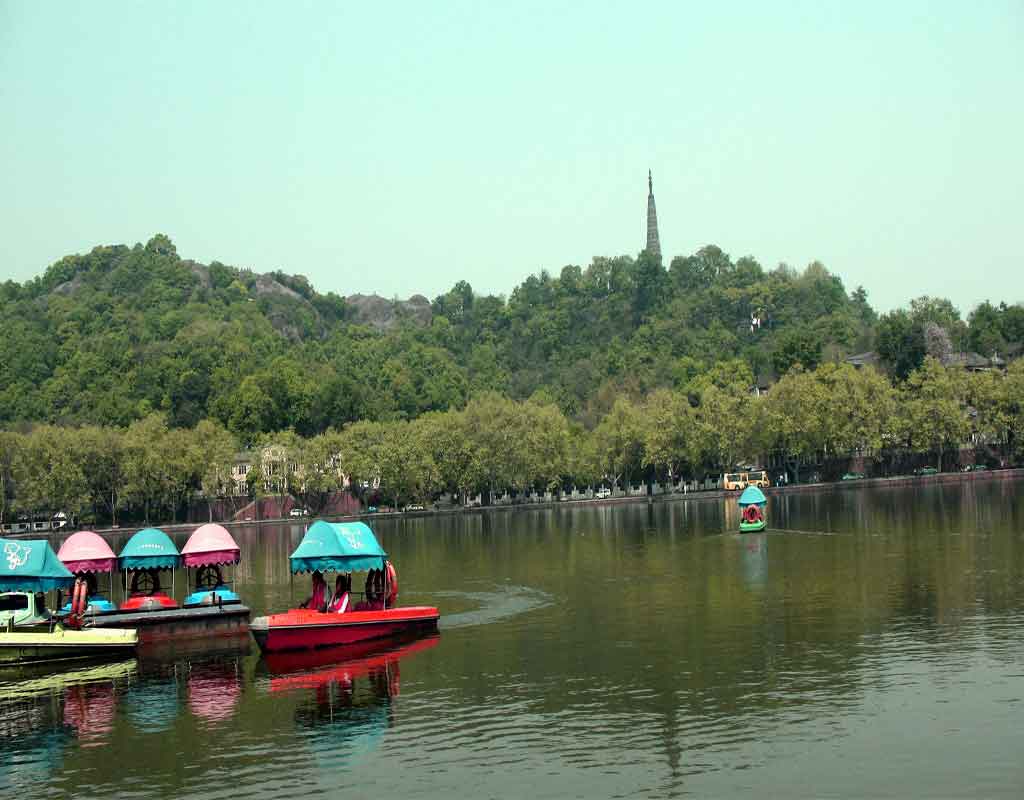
x=29, y=569
x=752, y=510
x=341, y=548
x=212, y=610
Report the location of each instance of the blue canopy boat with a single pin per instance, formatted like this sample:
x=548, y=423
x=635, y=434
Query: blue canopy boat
x=343, y=547
x=144, y=557
x=752, y=510
x=29, y=569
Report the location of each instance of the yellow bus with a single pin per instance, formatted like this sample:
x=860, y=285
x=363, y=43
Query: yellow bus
x=737, y=481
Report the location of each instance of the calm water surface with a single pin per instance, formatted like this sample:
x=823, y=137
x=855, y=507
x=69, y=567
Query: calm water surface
x=874, y=650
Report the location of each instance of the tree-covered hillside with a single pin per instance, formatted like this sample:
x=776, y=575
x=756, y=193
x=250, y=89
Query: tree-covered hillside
x=113, y=335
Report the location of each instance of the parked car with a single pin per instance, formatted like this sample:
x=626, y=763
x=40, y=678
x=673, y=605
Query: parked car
x=371, y=509
x=298, y=512
x=974, y=468
x=414, y=508
x=926, y=471
x=603, y=492
x=853, y=476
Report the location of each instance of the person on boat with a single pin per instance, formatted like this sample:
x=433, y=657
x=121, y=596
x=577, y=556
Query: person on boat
x=340, y=602
x=318, y=599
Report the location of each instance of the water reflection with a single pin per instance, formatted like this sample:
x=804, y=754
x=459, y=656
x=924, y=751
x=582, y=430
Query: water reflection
x=705, y=661
x=214, y=690
x=346, y=696
x=43, y=712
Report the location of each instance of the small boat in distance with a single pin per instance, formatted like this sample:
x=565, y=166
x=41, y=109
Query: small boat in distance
x=342, y=548
x=752, y=510
x=29, y=569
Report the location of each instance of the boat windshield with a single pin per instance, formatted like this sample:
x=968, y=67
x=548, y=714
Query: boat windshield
x=13, y=602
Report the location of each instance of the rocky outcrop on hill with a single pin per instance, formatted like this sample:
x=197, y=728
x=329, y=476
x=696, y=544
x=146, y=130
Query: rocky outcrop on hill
x=266, y=284
x=373, y=310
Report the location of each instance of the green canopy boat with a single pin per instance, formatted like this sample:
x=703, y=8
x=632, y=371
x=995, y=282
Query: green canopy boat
x=752, y=510
x=28, y=569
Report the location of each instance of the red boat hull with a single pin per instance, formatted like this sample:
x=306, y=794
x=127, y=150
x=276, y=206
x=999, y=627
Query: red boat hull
x=302, y=629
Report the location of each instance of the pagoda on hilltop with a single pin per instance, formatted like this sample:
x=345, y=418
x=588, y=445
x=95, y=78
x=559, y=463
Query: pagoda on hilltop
x=653, y=243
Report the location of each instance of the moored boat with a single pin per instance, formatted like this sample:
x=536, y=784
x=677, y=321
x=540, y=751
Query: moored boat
x=753, y=505
x=209, y=548
x=147, y=554
x=29, y=569
x=342, y=548
x=87, y=555
x=154, y=612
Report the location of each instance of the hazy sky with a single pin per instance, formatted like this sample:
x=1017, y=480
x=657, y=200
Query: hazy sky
x=401, y=148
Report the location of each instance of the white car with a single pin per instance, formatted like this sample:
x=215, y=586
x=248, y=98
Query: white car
x=298, y=512
x=603, y=492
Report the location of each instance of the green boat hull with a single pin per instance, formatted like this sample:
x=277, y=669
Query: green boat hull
x=753, y=527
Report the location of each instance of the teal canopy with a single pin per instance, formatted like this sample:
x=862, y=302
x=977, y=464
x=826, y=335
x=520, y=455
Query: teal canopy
x=752, y=496
x=31, y=566
x=150, y=548
x=337, y=547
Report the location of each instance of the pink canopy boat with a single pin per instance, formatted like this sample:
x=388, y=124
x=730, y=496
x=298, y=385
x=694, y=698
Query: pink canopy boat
x=86, y=551
x=210, y=545
x=208, y=549
x=83, y=553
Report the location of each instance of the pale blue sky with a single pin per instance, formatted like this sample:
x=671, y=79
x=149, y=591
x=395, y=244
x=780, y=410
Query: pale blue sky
x=403, y=147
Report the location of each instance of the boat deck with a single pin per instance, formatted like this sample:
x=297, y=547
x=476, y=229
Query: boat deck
x=169, y=623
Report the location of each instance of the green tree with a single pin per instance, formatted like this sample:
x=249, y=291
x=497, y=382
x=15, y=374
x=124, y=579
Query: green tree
x=797, y=418
x=618, y=441
x=797, y=347
x=934, y=409
x=47, y=475
x=101, y=453
x=669, y=432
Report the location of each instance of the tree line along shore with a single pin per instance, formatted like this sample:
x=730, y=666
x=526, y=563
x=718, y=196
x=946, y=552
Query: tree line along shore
x=495, y=444
x=134, y=381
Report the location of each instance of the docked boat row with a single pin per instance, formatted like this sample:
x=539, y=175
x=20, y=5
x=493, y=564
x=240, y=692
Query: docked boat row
x=89, y=623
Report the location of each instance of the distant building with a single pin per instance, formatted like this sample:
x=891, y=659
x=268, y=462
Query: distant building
x=653, y=242
x=868, y=359
x=974, y=362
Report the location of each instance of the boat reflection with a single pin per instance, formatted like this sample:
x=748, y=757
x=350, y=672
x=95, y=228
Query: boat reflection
x=755, y=560
x=350, y=705
x=42, y=712
x=312, y=669
x=214, y=690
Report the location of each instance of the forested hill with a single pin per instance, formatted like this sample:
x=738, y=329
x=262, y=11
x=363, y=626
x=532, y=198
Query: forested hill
x=113, y=335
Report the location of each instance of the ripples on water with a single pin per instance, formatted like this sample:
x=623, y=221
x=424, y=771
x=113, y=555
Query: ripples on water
x=606, y=652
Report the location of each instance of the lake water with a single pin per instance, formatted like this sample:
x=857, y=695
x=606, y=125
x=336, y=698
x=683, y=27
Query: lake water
x=876, y=649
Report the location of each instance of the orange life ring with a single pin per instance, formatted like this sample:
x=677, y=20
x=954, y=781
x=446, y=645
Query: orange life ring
x=392, y=584
x=79, y=601
x=752, y=514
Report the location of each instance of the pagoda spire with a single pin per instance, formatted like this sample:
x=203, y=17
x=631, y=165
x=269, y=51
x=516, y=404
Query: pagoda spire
x=653, y=243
